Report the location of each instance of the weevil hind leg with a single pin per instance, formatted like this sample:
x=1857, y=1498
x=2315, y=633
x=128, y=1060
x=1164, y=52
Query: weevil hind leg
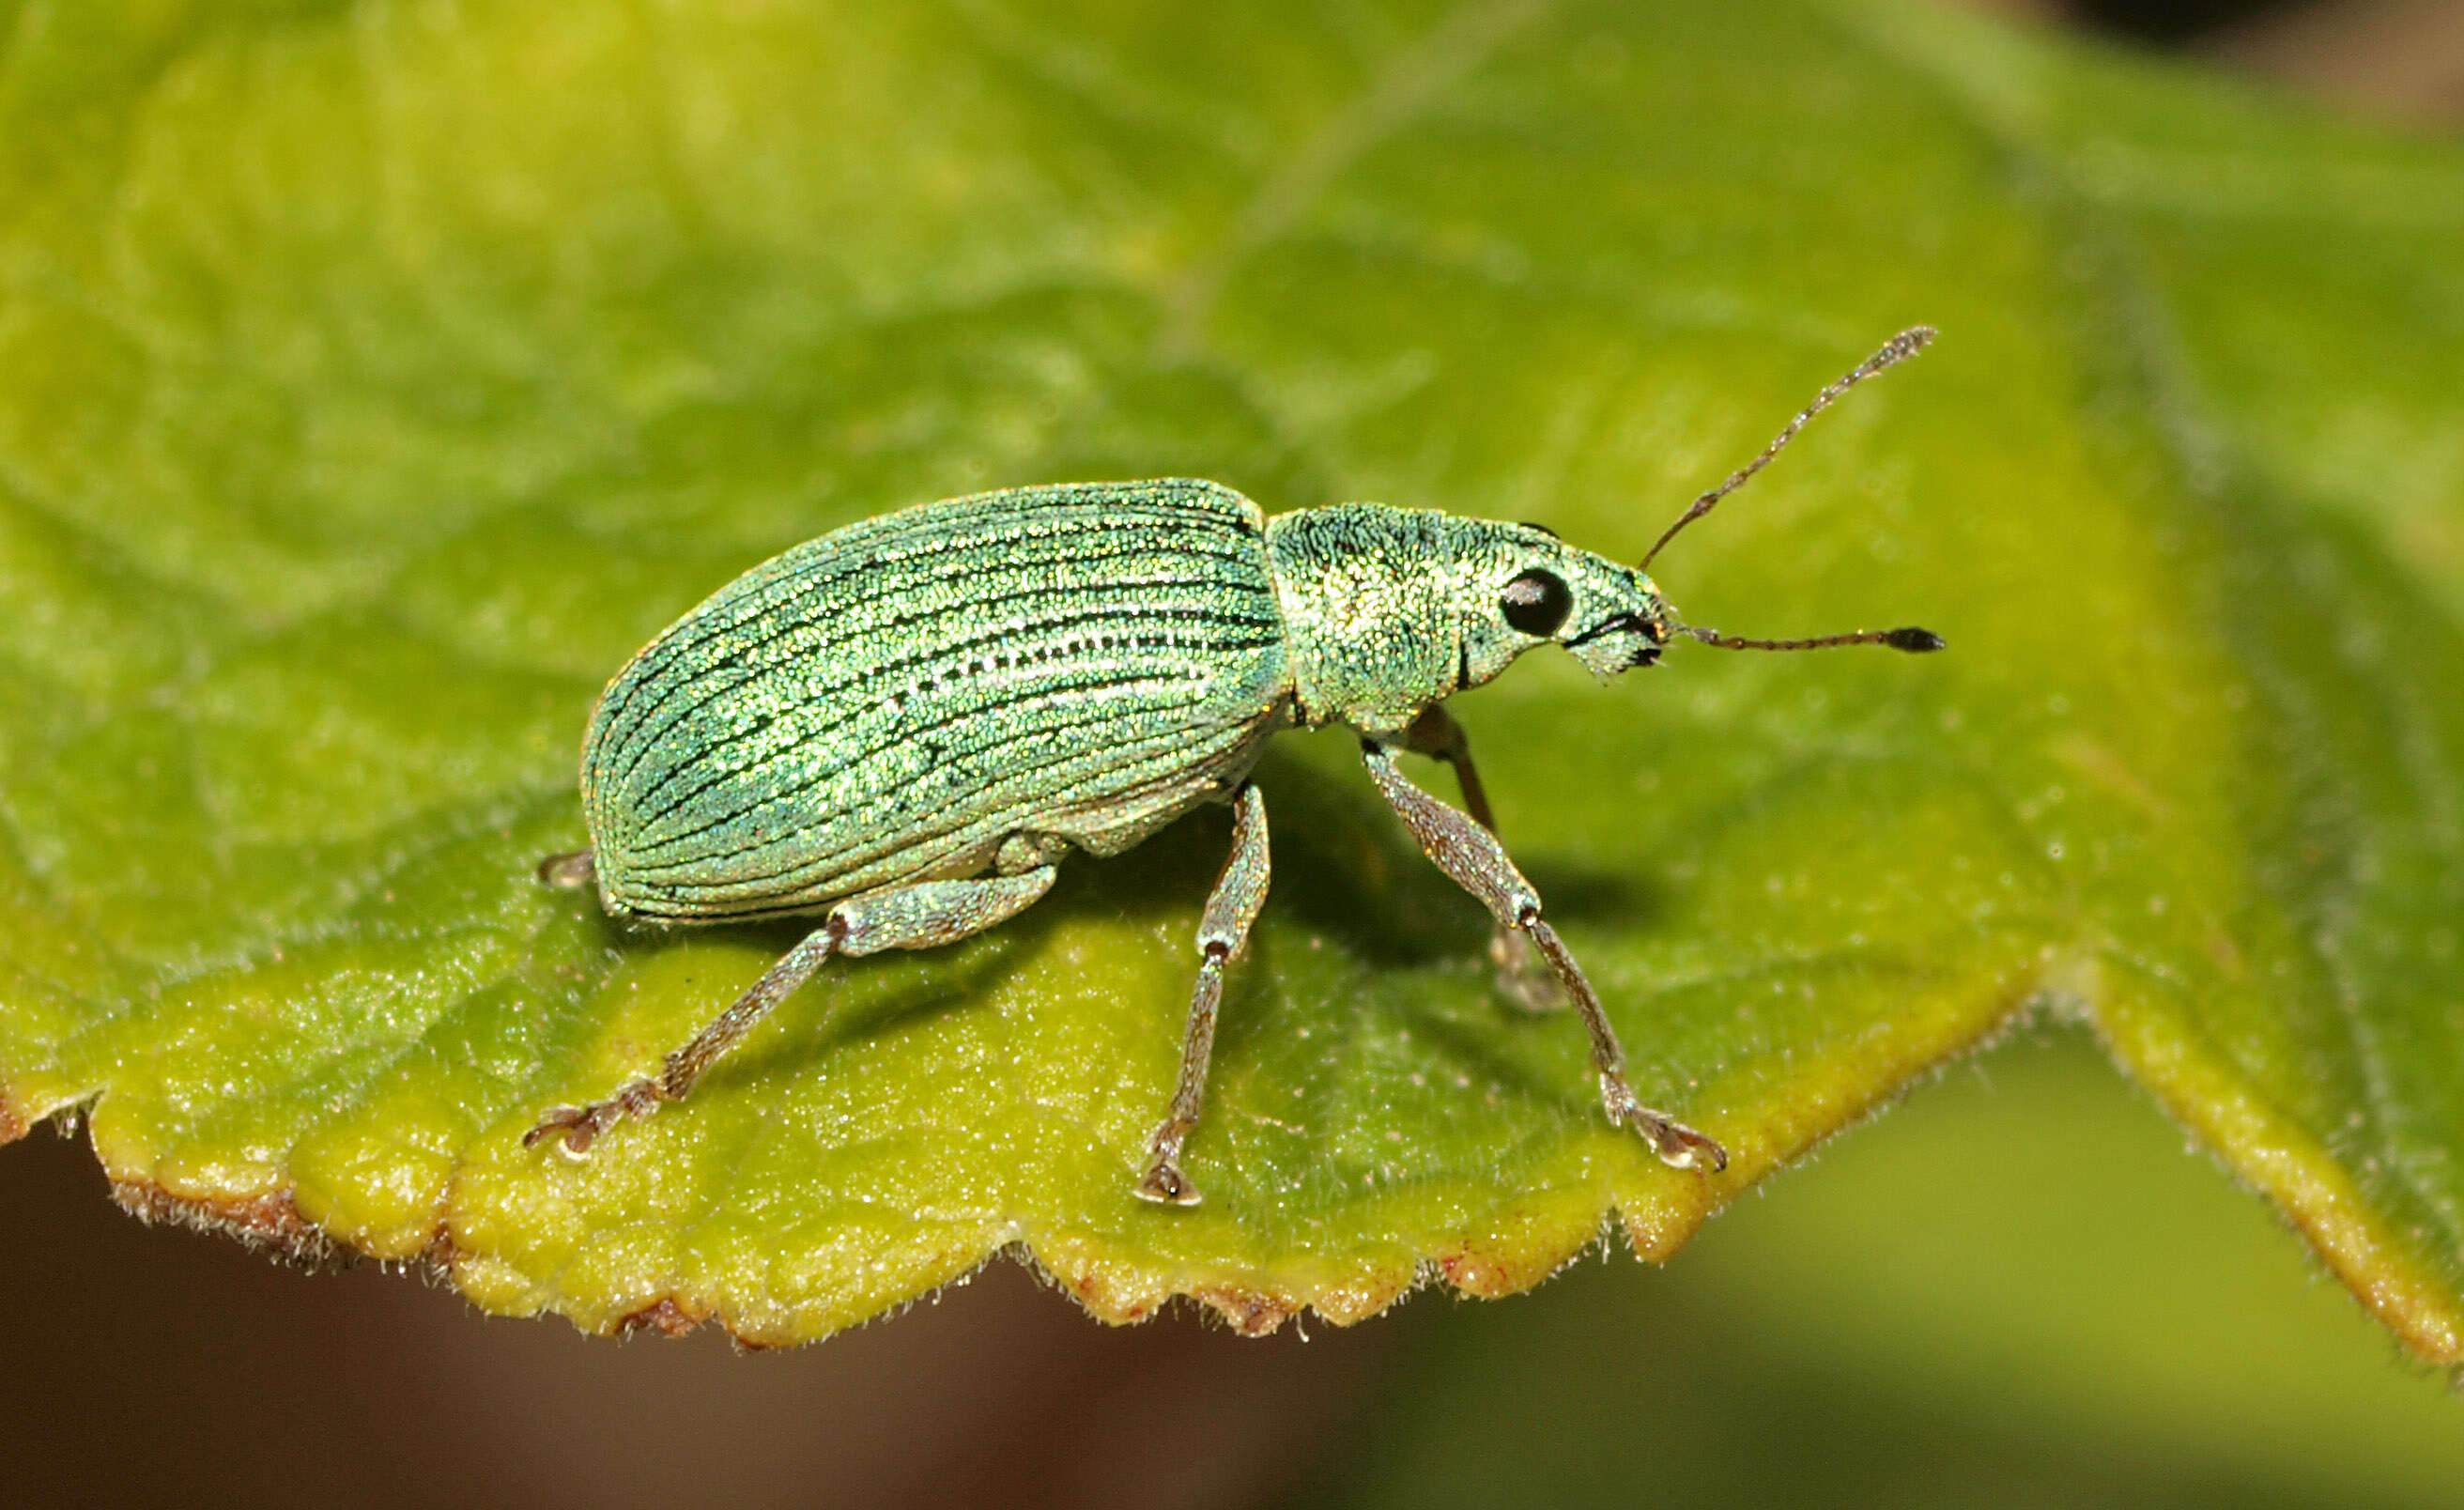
x=1521, y=977
x=1479, y=864
x=1223, y=933
x=921, y=917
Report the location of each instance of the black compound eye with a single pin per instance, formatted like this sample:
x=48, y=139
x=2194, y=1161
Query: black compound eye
x=1536, y=602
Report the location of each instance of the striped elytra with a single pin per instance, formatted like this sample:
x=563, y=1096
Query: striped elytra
x=891, y=701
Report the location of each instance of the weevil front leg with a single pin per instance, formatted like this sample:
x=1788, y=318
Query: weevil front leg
x=1520, y=978
x=921, y=916
x=1479, y=864
x=1223, y=933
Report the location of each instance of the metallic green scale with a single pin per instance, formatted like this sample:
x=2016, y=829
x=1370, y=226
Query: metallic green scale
x=890, y=703
x=904, y=725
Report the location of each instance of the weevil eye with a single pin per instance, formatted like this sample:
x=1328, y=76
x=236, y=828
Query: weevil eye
x=1536, y=602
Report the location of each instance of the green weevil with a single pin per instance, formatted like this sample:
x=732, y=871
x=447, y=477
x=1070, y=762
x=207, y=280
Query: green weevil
x=903, y=726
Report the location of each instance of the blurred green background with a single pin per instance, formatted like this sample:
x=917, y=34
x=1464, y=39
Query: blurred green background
x=2015, y=1288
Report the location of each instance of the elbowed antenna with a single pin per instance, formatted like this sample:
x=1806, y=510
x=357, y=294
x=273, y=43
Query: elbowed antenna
x=1913, y=640
x=1899, y=348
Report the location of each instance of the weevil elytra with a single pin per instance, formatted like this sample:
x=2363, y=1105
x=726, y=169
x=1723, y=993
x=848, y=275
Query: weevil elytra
x=903, y=726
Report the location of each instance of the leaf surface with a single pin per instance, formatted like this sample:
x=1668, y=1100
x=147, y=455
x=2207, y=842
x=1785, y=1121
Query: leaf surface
x=374, y=380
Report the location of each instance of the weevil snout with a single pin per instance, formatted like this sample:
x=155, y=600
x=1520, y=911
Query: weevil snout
x=1649, y=634
x=1619, y=620
x=1621, y=643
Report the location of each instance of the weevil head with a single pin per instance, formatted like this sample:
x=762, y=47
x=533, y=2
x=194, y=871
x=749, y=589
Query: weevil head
x=1520, y=587
x=1389, y=611
x=1386, y=611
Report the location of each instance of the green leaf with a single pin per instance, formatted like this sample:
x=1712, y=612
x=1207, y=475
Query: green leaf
x=374, y=380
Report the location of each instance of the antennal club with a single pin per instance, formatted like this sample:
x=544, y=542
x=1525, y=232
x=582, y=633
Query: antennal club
x=1899, y=348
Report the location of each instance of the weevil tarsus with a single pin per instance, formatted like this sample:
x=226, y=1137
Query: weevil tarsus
x=570, y=871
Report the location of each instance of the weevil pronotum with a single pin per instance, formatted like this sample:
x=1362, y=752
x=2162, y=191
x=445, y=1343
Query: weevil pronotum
x=903, y=726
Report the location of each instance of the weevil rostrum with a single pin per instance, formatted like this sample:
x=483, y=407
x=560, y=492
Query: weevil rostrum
x=903, y=726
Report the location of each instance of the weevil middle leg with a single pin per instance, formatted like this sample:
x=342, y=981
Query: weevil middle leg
x=1479, y=865
x=921, y=917
x=1521, y=978
x=1223, y=933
